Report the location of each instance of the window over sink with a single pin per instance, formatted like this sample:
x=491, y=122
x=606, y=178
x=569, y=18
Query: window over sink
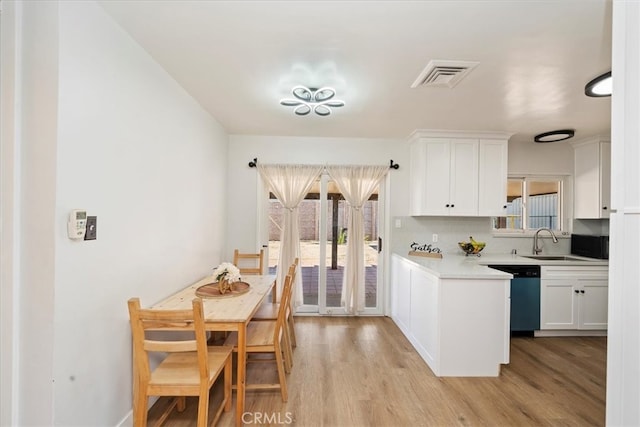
x=533, y=202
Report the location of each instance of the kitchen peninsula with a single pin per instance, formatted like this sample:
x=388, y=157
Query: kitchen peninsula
x=454, y=311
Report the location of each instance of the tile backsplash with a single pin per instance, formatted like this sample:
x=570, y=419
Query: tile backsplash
x=451, y=230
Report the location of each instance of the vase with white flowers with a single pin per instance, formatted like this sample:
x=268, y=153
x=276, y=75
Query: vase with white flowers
x=225, y=274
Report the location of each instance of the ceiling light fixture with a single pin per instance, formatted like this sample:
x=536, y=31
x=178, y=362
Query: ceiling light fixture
x=307, y=99
x=555, y=135
x=600, y=86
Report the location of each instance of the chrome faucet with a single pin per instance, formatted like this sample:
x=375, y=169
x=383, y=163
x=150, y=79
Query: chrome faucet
x=536, y=249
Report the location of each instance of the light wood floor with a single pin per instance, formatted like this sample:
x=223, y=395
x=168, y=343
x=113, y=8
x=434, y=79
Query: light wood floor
x=364, y=372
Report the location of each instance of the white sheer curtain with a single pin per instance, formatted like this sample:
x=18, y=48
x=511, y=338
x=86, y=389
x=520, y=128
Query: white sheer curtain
x=289, y=183
x=356, y=183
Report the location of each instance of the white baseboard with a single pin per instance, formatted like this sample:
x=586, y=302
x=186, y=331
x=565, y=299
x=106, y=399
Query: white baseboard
x=127, y=421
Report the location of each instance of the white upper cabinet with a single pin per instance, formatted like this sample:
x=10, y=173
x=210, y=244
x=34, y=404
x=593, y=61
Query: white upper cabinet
x=592, y=178
x=435, y=187
x=441, y=184
x=458, y=173
x=492, y=177
x=418, y=173
x=463, y=173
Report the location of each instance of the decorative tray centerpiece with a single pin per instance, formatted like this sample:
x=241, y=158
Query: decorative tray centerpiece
x=472, y=247
x=212, y=290
x=227, y=283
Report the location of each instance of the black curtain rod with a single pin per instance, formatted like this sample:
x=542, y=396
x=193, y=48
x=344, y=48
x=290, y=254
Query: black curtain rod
x=254, y=163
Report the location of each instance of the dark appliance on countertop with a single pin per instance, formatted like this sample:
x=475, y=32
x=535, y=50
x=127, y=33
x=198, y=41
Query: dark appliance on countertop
x=525, y=297
x=590, y=246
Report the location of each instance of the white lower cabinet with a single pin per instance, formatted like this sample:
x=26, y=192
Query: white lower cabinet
x=558, y=304
x=401, y=280
x=424, y=292
x=460, y=327
x=573, y=298
x=593, y=308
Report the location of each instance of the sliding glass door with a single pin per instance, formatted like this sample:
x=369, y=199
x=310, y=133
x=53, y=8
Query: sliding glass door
x=337, y=235
x=323, y=238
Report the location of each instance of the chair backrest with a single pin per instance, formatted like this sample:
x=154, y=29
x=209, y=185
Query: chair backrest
x=293, y=270
x=143, y=320
x=284, y=306
x=256, y=261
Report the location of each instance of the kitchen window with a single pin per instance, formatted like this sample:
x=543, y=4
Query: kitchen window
x=532, y=202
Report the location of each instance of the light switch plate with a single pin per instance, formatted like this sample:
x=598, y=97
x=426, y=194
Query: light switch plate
x=92, y=228
x=398, y=223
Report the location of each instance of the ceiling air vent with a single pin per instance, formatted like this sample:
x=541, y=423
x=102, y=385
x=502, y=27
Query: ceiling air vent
x=444, y=73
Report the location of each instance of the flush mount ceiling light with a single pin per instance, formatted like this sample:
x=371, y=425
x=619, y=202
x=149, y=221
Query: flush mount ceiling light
x=307, y=100
x=555, y=135
x=600, y=86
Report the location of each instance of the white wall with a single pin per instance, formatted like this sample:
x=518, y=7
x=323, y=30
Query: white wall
x=243, y=180
x=554, y=158
x=524, y=158
x=36, y=172
x=9, y=192
x=108, y=130
x=623, y=344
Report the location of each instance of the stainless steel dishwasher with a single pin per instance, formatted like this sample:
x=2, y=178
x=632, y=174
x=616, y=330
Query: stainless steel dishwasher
x=525, y=297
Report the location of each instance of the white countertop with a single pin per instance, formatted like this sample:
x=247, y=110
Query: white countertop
x=458, y=266
x=507, y=259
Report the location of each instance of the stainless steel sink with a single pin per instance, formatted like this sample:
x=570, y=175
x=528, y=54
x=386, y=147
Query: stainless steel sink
x=554, y=257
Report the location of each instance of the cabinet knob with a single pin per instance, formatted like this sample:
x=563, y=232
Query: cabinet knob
x=604, y=208
x=576, y=291
x=582, y=291
x=452, y=205
x=504, y=207
x=446, y=206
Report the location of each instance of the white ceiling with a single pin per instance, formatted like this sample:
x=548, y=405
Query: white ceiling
x=239, y=58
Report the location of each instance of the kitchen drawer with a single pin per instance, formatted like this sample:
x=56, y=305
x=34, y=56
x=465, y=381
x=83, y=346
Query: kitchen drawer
x=570, y=272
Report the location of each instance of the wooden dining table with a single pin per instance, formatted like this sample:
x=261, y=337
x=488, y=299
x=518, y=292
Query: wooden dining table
x=224, y=313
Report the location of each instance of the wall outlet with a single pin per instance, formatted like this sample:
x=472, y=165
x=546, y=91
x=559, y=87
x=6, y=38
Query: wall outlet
x=434, y=238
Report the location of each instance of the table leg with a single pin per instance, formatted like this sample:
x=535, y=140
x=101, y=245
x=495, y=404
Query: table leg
x=241, y=375
x=274, y=293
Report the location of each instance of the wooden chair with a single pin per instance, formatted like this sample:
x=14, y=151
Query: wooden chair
x=240, y=259
x=269, y=311
x=267, y=337
x=190, y=368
